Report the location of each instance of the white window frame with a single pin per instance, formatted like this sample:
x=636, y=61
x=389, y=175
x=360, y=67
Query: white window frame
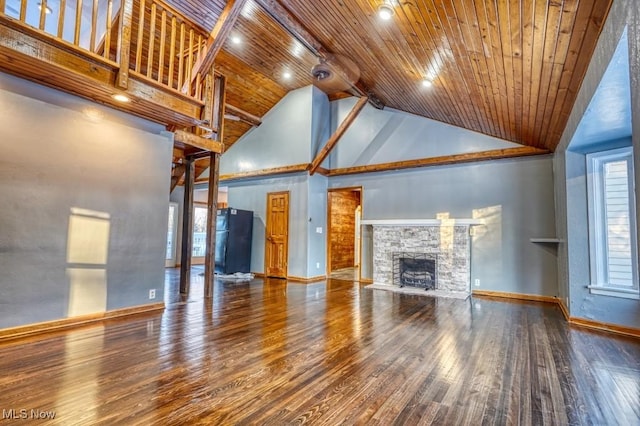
x=597, y=223
x=170, y=262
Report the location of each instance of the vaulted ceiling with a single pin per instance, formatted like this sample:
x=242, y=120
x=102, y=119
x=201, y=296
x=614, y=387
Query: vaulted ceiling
x=509, y=68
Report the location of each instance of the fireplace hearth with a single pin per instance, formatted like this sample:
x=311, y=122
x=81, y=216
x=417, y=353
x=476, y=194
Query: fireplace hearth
x=415, y=270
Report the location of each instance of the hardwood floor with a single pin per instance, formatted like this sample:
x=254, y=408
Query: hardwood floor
x=326, y=353
x=349, y=274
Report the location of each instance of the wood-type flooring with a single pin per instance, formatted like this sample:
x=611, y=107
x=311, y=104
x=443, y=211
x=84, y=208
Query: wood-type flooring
x=326, y=353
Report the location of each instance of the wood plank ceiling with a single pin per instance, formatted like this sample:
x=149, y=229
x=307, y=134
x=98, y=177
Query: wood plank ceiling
x=510, y=69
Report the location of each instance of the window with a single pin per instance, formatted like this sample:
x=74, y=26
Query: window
x=612, y=238
x=199, y=231
x=172, y=231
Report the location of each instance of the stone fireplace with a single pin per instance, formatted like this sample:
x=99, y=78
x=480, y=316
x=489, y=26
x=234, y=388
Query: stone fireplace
x=431, y=254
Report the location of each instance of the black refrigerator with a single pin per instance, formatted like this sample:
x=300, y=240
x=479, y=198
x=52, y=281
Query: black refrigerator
x=233, y=240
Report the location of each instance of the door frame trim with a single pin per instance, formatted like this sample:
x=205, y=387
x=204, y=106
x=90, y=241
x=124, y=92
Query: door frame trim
x=328, y=240
x=266, y=229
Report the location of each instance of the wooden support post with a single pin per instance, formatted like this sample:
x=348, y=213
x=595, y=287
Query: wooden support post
x=214, y=175
x=212, y=210
x=124, y=43
x=209, y=100
x=176, y=174
x=333, y=140
x=187, y=228
x=220, y=95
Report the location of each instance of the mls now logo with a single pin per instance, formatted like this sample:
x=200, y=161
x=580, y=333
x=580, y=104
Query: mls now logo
x=23, y=413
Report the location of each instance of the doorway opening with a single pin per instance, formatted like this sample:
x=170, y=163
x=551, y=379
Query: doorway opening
x=344, y=210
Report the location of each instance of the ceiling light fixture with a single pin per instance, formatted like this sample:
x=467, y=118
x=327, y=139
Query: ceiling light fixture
x=120, y=97
x=385, y=11
x=47, y=9
x=236, y=39
x=287, y=75
x=427, y=83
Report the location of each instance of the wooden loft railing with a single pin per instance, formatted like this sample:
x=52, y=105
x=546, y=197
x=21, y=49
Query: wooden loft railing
x=166, y=47
x=97, y=48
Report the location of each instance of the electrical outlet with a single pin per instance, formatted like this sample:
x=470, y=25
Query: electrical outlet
x=319, y=230
x=317, y=265
x=477, y=282
x=152, y=293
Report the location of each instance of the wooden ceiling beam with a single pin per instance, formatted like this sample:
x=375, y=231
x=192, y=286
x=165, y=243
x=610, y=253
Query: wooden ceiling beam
x=218, y=36
x=176, y=176
x=243, y=115
x=294, y=27
x=335, y=138
x=296, y=168
x=495, y=154
x=187, y=138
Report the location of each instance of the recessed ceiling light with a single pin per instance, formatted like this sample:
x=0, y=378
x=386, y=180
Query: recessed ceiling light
x=47, y=9
x=286, y=75
x=236, y=39
x=385, y=11
x=120, y=97
x=427, y=83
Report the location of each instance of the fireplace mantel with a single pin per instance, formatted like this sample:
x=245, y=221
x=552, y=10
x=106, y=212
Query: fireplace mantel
x=423, y=222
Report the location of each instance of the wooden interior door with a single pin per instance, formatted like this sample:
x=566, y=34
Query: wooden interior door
x=277, y=235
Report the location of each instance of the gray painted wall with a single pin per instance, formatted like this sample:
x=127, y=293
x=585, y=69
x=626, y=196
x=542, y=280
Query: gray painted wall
x=317, y=248
x=291, y=133
x=60, y=152
x=252, y=195
x=283, y=138
x=515, y=197
x=382, y=136
x=320, y=121
x=570, y=186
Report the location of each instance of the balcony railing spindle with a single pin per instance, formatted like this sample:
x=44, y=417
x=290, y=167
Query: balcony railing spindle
x=181, y=56
x=76, y=33
x=107, y=35
x=23, y=10
x=172, y=52
x=140, y=35
x=61, y=13
x=94, y=26
x=43, y=14
x=152, y=39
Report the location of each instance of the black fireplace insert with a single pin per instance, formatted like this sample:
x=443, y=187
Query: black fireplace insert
x=415, y=270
